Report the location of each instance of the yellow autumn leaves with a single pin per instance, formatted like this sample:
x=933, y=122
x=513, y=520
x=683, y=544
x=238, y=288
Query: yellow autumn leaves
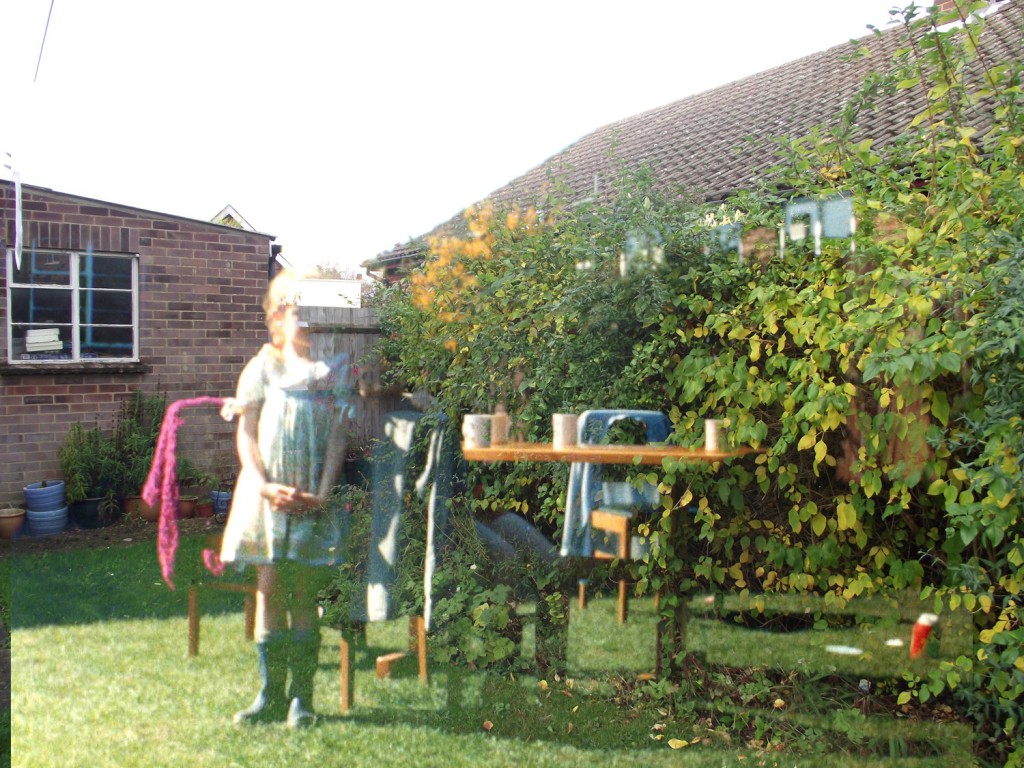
x=658, y=733
x=445, y=285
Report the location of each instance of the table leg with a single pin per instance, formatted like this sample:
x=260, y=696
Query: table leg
x=345, y=664
x=193, y=620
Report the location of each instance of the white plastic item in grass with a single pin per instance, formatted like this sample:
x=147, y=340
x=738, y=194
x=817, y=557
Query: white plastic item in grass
x=844, y=650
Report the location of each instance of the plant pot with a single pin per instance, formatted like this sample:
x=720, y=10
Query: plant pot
x=204, y=508
x=12, y=520
x=357, y=472
x=94, y=513
x=48, y=522
x=136, y=507
x=44, y=498
x=187, y=507
x=221, y=501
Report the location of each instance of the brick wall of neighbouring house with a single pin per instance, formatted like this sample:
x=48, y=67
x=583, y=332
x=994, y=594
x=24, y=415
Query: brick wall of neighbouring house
x=200, y=288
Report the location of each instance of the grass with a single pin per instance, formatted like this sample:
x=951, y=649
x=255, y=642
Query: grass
x=5, y=643
x=101, y=678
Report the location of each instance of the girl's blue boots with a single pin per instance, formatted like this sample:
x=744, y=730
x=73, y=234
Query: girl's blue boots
x=270, y=703
x=303, y=662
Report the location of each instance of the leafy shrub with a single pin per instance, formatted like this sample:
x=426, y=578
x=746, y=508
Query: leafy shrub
x=884, y=383
x=88, y=464
x=136, y=429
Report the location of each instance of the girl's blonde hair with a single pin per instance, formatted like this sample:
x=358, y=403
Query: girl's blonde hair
x=282, y=292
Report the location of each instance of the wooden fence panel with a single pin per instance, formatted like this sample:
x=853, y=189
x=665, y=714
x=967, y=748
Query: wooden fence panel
x=355, y=331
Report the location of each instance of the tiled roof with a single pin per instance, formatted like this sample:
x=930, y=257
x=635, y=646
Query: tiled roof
x=721, y=140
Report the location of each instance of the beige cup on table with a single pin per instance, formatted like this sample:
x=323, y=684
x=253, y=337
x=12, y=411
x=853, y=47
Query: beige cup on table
x=476, y=430
x=563, y=430
x=500, y=428
x=715, y=435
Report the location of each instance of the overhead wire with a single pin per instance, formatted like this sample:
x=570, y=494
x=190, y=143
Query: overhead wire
x=43, y=43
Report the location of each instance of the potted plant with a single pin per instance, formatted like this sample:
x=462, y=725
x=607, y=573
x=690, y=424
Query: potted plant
x=187, y=504
x=221, y=498
x=193, y=484
x=92, y=475
x=135, y=434
x=357, y=468
x=205, y=507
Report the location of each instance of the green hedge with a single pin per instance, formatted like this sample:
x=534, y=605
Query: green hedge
x=885, y=383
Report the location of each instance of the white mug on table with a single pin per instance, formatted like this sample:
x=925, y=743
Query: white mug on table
x=563, y=430
x=476, y=430
x=715, y=435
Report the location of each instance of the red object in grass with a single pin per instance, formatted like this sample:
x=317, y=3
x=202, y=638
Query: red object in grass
x=919, y=635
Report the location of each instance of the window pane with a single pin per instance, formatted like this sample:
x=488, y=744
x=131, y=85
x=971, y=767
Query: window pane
x=41, y=315
x=104, y=272
x=105, y=342
x=105, y=307
x=37, y=342
x=40, y=305
x=44, y=268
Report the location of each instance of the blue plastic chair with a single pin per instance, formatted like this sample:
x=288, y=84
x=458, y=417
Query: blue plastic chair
x=601, y=516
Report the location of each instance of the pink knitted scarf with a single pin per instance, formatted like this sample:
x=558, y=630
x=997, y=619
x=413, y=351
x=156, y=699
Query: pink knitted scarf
x=162, y=487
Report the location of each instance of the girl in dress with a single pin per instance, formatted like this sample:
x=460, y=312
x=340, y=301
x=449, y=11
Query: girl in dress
x=291, y=445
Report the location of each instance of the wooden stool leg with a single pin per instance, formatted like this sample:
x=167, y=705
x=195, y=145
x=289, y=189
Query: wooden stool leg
x=193, y=621
x=250, y=615
x=623, y=600
x=345, y=657
x=582, y=595
x=386, y=662
x=625, y=544
x=421, y=646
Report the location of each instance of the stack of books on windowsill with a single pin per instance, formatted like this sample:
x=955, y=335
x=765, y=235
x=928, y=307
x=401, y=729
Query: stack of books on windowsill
x=43, y=340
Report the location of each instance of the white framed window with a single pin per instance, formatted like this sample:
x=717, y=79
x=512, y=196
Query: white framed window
x=72, y=307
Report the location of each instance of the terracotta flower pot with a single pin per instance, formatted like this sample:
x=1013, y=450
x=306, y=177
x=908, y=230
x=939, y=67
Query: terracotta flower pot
x=187, y=507
x=12, y=520
x=204, y=508
x=134, y=506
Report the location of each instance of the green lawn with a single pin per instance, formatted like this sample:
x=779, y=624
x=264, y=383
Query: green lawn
x=101, y=678
x=5, y=620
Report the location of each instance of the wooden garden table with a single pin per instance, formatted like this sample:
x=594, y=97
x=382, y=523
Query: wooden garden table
x=653, y=453
x=600, y=454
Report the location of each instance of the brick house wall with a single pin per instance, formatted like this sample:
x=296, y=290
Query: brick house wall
x=200, y=320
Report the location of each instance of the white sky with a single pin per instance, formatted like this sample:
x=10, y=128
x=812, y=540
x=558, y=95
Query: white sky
x=346, y=127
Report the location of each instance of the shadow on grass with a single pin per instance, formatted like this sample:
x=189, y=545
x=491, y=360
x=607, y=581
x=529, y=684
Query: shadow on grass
x=110, y=584
x=519, y=710
x=505, y=708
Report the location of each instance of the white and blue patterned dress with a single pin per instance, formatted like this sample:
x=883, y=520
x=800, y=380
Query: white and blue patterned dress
x=297, y=407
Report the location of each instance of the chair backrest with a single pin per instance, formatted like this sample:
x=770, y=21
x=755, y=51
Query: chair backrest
x=392, y=482
x=585, y=483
